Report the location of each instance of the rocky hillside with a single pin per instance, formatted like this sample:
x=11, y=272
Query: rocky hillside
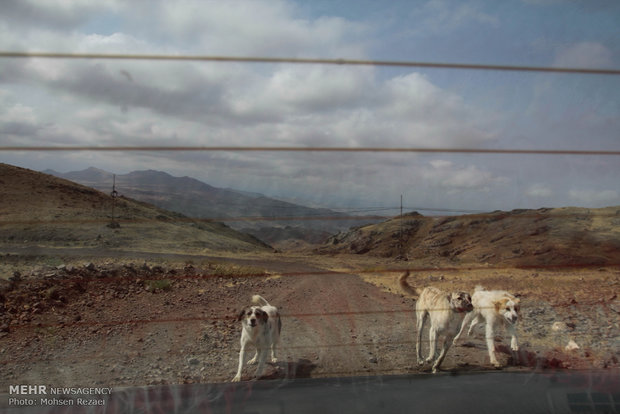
x=42, y=210
x=563, y=236
x=268, y=219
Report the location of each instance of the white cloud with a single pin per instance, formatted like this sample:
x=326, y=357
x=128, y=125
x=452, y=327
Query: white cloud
x=257, y=28
x=454, y=178
x=19, y=113
x=115, y=43
x=318, y=88
x=18, y=122
x=584, y=55
x=442, y=17
x=595, y=198
x=539, y=190
x=441, y=164
x=62, y=15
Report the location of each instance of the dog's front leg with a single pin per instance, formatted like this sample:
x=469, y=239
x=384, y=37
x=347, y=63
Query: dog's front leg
x=274, y=358
x=514, y=346
x=253, y=360
x=476, y=320
x=466, y=320
x=237, y=377
x=262, y=356
x=442, y=354
x=490, y=339
x=512, y=331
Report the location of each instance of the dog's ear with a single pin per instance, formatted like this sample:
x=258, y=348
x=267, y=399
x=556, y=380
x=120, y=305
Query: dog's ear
x=458, y=296
x=465, y=296
x=517, y=303
x=263, y=316
x=241, y=315
x=499, y=304
x=451, y=299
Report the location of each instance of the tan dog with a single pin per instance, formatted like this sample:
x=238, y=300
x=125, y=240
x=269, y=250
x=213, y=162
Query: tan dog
x=446, y=312
x=496, y=308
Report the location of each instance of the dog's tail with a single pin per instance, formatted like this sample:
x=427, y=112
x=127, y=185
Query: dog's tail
x=406, y=286
x=259, y=300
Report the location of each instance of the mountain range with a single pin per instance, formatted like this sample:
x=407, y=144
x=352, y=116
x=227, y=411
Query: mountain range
x=271, y=220
x=41, y=210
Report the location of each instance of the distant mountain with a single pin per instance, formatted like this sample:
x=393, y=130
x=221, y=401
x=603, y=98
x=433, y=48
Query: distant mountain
x=90, y=175
x=38, y=209
x=251, y=213
x=545, y=237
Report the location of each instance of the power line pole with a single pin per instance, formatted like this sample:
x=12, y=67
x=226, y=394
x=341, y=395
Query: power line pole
x=114, y=195
x=400, y=235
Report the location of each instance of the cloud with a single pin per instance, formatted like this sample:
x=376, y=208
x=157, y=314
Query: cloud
x=18, y=122
x=584, y=55
x=442, y=17
x=596, y=198
x=291, y=105
x=455, y=178
x=257, y=28
x=539, y=191
x=55, y=14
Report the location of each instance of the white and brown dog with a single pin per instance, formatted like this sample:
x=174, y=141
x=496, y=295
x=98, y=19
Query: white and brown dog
x=496, y=308
x=446, y=312
x=260, y=327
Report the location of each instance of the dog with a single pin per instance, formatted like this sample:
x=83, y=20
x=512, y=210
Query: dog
x=446, y=312
x=496, y=308
x=260, y=327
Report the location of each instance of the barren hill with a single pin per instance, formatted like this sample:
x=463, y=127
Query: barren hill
x=42, y=210
x=269, y=219
x=562, y=236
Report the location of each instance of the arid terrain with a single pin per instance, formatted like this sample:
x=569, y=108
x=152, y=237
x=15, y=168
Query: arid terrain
x=144, y=304
x=114, y=324
x=44, y=211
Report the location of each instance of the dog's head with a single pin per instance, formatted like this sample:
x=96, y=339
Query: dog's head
x=508, y=308
x=253, y=316
x=461, y=302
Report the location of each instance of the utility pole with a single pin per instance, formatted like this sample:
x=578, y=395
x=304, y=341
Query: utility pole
x=114, y=195
x=400, y=236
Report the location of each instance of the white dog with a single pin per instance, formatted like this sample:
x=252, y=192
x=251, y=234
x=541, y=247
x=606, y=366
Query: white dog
x=260, y=327
x=495, y=307
x=446, y=311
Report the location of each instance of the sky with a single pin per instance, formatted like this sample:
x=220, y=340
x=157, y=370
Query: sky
x=112, y=103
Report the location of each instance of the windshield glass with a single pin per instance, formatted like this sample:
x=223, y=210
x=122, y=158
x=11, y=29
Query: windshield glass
x=308, y=195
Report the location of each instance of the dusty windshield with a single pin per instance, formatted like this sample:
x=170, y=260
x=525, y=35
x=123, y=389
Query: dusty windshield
x=225, y=195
